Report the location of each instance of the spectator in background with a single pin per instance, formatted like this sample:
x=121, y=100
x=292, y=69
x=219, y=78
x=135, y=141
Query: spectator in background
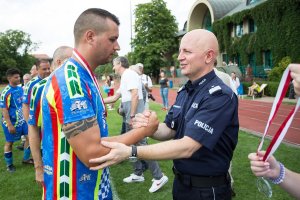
x=235, y=80
x=147, y=82
x=253, y=87
x=26, y=79
x=164, y=90
x=109, y=82
x=133, y=103
x=33, y=71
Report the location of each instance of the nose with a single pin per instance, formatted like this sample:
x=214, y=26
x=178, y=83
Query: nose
x=180, y=56
x=117, y=46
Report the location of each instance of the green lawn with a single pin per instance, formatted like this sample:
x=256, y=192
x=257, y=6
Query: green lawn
x=21, y=184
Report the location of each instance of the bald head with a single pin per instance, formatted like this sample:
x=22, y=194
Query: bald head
x=92, y=19
x=60, y=54
x=203, y=40
x=197, y=53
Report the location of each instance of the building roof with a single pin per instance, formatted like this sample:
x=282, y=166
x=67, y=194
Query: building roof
x=222, y=7
x=243, y=6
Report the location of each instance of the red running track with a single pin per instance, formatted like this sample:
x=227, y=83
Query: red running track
x=253, y=116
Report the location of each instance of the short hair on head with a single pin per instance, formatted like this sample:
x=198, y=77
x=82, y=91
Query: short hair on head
x=61, y=53
x=94, y=19
x=39, y=61
x=27, y=76
x=12, y=71
x=140, y=65
x=122, y=60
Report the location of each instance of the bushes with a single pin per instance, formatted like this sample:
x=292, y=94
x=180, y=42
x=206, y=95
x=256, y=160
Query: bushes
x=276, y=73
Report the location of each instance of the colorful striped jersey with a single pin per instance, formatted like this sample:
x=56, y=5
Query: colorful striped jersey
x=28, y=87
x=35, y=103
x=70, y=95
x=11, y=99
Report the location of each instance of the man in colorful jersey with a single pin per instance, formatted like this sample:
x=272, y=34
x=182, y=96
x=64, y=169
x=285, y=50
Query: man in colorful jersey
x=34, y=123
x=43, y=68
x=73, y=114
x=13, y=122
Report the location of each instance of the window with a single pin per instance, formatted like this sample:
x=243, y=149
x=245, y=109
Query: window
x=252, y=26
x=239, y=30
x=268, y=59
x=251, y=60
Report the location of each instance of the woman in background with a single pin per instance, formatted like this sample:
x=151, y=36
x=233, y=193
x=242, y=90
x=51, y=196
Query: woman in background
x=164, y=90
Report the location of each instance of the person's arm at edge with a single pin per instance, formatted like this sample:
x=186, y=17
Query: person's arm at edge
x=172, y=149
x=25, y=108
x=134, y=101
x=112, y=99
x=271, y=169
x=10, y=126
x=35, y=147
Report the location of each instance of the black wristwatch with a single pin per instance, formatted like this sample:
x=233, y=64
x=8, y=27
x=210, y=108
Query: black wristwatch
x=133, y=157
x=132, y=116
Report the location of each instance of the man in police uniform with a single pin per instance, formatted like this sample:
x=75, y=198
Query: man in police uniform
x=203, y=124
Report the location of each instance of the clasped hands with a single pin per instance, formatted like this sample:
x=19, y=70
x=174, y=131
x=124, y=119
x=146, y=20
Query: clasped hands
x=119, y=151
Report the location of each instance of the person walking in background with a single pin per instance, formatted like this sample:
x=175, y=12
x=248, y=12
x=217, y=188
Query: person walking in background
x=235, y=80
x=146, y=80
x=13, y=122
x=109, y=83
x=164, y=90
x=133, y=103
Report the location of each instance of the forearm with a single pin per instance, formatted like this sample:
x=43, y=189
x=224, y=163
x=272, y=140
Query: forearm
x=169, y=150
x=6, y=116
x=25, y=109
x=112, y=99
x=163, y=133
x=132, y=136
x=134, y=104
x=291, y=183
x=35, y=145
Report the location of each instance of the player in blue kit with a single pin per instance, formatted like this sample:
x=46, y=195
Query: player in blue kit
x=13, y=122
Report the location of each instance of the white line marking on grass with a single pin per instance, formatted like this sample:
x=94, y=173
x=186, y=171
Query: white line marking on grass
x=114, y=191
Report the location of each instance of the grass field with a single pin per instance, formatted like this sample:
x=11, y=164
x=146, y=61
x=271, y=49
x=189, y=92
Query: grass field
x=21, y=185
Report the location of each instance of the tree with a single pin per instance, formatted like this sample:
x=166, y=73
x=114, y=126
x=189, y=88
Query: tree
x=155, y=40
x=14, y=48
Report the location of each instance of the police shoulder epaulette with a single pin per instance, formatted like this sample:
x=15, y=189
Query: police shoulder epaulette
x=179, y=90
x=215, y=89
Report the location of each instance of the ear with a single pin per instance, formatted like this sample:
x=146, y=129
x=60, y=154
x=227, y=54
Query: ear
x=90, y=36
x=210, y=56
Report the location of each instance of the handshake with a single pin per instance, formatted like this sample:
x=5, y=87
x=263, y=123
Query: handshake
x=150, y=96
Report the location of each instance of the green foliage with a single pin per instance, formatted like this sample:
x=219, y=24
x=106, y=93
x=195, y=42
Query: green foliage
x=14, y=48
x=155, y=40
x=276, y=73
x=278, y=30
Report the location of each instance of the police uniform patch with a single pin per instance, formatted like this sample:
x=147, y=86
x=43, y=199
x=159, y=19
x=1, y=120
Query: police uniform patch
x=214, y=89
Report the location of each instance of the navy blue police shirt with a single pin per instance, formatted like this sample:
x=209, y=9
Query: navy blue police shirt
x=206, y=110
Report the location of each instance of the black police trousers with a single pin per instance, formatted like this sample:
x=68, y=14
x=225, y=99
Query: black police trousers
x=183, y=192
